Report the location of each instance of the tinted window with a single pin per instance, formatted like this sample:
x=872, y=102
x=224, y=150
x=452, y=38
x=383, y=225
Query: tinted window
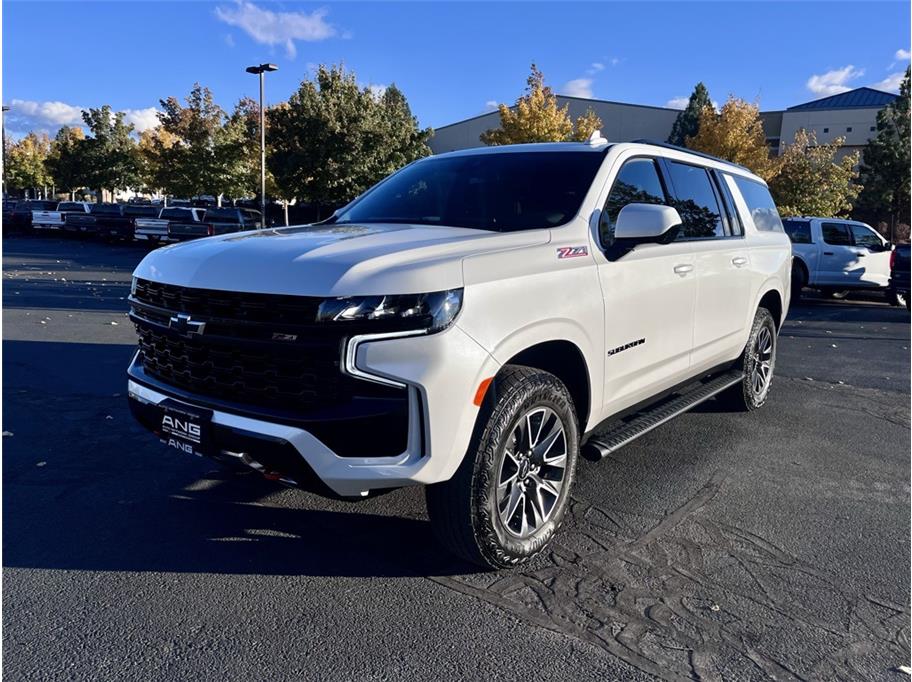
x=494, y=191
x=70, y=206
x=177, y=214
x=760, y=204
x=696, y=202
x=865, y=236
x=223, y=215
x=141, y=211
x=837, y=234
x=799, y=231
x=107, y=209
x=637, y=183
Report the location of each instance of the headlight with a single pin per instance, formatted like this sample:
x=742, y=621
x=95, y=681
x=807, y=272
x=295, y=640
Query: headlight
x=431, y=312
x=133, y=287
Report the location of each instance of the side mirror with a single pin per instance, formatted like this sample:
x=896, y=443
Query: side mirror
x=645, y=222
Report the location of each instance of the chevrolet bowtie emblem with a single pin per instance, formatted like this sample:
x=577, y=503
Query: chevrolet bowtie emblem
x=182, y=324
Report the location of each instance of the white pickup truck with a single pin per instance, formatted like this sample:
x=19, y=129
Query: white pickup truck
x=836, y=256
x=156, y=229
x=54, y=220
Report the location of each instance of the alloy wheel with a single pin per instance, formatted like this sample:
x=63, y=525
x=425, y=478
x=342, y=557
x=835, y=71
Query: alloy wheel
x=763, y=360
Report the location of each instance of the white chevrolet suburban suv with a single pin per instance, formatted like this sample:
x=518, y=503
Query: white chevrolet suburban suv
x=468, y=324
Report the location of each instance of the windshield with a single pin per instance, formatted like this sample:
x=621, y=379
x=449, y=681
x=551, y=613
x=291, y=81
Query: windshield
x=107, y=209
x=223, y=215
x=70, y=206
x=141, y=211
x=502, y=192
x=177, y=214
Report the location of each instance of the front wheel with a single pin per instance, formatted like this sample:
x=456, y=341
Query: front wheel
x=758, y=361
x=897, y=298
x=509, y=496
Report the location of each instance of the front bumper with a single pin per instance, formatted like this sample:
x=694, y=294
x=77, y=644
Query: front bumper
x=441, y=372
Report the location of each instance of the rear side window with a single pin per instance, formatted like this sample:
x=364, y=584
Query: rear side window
x=223, y=215
x=865, y=236
x=69, y=206
x=176, y=214
x=799, y=231
x=107, y=209
x=760, y=204
x=637, y=183
x=141, y=211
x=696, y=202
x=837, y=234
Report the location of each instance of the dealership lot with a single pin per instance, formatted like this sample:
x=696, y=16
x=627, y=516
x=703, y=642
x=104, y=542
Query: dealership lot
x=769, y=545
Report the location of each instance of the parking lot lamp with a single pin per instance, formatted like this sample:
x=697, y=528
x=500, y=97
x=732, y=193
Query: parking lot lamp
x=261, y=72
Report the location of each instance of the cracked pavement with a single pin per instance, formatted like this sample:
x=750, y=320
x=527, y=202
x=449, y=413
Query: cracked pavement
x=771, y=545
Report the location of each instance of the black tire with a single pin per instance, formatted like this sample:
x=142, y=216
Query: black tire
x=799, y=279
x=745, y=396
x=466, y=511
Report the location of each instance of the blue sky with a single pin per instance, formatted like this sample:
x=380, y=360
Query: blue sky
x=452, y=60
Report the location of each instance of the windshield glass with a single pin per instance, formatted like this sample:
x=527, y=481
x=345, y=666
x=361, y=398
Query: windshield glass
x=141, y=211
x=107, y=209
x=223, y=215
x=503, y=192
x=177, y=214
x=70, y=206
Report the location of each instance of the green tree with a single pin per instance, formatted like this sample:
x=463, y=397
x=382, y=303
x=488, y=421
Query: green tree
x=111, y=159
x=536, y=117
x=735, y=134
x=811, y=181
x=886, y=161
x=26, y=167
x=333, y=139
x=687, y=124
x=66, y=163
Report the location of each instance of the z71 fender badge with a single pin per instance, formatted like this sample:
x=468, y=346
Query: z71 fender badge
x=572, y=252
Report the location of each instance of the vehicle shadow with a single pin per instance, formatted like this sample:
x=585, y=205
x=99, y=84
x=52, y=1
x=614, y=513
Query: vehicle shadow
x=86, y=488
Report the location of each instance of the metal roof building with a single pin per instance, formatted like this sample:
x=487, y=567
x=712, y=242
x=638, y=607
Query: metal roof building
x=851, y=115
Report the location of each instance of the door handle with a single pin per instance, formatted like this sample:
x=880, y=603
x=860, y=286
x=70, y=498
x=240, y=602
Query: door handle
x=739, y=261
x=827, y=253
x=683, y=269
x=860, y=254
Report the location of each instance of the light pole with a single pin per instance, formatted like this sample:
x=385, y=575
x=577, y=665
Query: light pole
x=261, y=72
x=5, y=109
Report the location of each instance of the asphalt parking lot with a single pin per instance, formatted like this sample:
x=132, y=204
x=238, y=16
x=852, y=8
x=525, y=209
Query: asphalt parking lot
x=773, y=545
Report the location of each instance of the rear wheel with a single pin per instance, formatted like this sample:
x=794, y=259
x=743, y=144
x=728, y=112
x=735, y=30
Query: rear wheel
x=758, y=361
x=897, y=298
x=509, y=496
x=799, y=279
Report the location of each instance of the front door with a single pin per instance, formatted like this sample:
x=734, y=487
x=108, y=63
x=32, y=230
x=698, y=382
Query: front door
x=839, y=260
x=649, y=297
x=874, y=257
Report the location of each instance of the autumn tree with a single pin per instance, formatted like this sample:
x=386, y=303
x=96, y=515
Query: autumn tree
x=536, y=117
x=885, y=172
x=687, y=124
x=333, y=139
x=110, y=159
x=736, y=134
x=153, y=174
x=66, y=161
x=25, y=167
x=811, y=181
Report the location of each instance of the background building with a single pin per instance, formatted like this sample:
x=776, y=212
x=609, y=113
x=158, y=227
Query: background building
x=852, y=115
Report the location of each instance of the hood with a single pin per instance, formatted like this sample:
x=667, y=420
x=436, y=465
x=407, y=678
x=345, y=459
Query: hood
x=330, y=260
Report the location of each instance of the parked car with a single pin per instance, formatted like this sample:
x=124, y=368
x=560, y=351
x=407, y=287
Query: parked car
x=225, y=220
x=9, y=205
x=54, y=220
x=837, y=256
x=21, y=216
x=139, y=211
x=466, y=325
x=899, y=275
x=80, y=223
x=156, y=229
x=189, y=226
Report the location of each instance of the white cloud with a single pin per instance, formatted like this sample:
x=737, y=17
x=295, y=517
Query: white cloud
x=492, y=105
x=890, y=83
x=277, y=28
x=578, y=87
x=377, y=89
x=902, y=54
x=229, y=40
x=677, y=102
x=142, y=119
x=32, y=113
x=615, y=61
x=596, y=67
x=833, y=82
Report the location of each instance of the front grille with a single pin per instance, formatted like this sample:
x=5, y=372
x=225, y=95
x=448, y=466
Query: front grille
x=237, y=358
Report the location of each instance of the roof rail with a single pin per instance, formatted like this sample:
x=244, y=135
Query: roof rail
x=668, y=145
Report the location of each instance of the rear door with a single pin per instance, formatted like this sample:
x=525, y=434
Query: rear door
x=839, y=260
x=722, y=262
x=649, y=296
x=873, y=254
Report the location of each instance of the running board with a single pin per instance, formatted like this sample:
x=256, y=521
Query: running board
x=643, y=422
